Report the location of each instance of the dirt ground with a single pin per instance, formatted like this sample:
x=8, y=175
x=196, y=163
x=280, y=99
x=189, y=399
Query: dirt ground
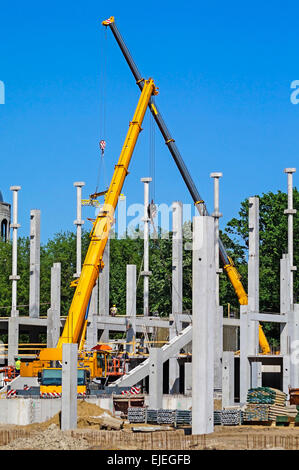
x=48, y=436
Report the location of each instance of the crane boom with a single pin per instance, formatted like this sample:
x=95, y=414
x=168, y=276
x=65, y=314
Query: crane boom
x=93, y=263
x=227, y=262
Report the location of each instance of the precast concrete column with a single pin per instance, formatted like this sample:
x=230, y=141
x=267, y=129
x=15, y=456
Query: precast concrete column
x=15, y=226
x=228, y=379
x=53, y=326
x=245, y=372
x=219, y=314
x=13, y=340
x=294, y=345
x=104, y=283
x=256, y=374
x=79, y=222
x=216, y=214
x=92, y=327
x=131, y=300
x=290, y=211
x=188, y=378
x=203, y=324
x=155, y=378
x=285, y=309
x=34, y=280
x=253, y=282
x=69, y=386
x=146, y=272
x=177, y=290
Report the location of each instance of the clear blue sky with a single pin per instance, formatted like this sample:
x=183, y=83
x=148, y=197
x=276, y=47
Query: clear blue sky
x=224, y=71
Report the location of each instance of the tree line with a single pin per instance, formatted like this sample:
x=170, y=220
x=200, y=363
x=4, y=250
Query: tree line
x=62, y=248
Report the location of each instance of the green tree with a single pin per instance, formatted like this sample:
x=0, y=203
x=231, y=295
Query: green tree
x=273, y=244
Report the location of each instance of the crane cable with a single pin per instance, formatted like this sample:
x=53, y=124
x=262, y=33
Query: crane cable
x=103, y=92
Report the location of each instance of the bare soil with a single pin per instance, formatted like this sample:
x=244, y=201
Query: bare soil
x=48, y=435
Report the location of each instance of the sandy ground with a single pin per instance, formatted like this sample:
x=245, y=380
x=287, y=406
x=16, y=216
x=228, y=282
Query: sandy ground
x=48, y=436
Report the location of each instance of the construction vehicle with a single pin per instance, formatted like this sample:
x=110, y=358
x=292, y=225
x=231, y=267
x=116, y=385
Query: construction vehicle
x=50, y=381
x=227, y=262
x=95, y=362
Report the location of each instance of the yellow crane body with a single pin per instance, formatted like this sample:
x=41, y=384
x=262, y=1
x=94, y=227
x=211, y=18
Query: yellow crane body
x=75, y=326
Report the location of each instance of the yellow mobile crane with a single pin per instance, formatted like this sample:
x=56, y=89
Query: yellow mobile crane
x=227, y=262
x=75, y=326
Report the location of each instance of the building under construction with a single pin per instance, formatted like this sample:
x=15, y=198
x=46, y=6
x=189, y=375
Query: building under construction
x=167, y=371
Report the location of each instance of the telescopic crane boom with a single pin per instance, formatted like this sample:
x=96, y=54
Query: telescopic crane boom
x=227, y=262
x=75, y=325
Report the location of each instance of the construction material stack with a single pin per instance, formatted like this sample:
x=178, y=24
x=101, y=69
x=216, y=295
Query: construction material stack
x=264, y=404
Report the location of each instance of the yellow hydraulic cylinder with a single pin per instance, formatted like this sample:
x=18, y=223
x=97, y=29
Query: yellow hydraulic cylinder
x=75, y=322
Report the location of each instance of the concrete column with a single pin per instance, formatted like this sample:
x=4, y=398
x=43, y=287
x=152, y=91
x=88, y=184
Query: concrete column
x=14, y=277
x=253, y=272
x=285, y=309
x=92, y=327
x=203, y=322
x=104, y=280
x=290, y=211
x=294, y=346
x=69, y=386
x=53, y=327
x=245, y=374
x=253, y=286
x=256, y=374
x=155, y=379
x=146, y=272
x=177, y=290
x=79, y=222
x=34, y=280
x=216, y=214
x=131, y=292
x=188, y=378
x=219, y=314
x=228, y=379
x=13, y=340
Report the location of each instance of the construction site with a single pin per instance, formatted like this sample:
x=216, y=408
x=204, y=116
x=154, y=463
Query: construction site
x=188, y=380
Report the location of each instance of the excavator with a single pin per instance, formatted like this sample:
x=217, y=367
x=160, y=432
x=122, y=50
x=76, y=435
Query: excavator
x=91, y=364
x=227, y=262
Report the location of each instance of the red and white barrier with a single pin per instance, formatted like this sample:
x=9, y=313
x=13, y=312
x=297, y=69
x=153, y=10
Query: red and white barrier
x=133, y=391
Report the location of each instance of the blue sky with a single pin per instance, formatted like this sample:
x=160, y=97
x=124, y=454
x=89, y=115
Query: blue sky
x=224, y=71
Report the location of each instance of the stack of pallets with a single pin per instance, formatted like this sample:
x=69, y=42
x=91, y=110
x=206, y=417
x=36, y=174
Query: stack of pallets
x=266, y=395
x=265, y=404
x=256, y=412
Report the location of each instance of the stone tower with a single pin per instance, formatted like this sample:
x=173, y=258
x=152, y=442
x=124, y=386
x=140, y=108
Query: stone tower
x=4, y=219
